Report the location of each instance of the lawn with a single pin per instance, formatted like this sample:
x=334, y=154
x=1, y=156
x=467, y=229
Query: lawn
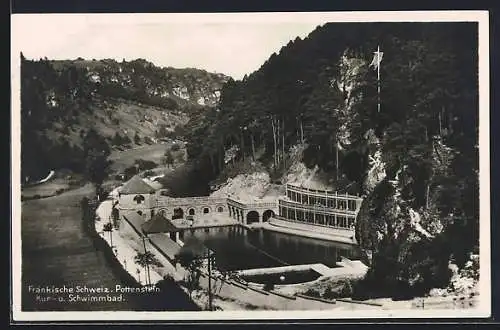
x=56, y=252
x=126, y=158
x=50, y=188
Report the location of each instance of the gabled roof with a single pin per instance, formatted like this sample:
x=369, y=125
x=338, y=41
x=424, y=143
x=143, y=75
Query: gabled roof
x=158, y=224
x=135, y=220
x=136, y=185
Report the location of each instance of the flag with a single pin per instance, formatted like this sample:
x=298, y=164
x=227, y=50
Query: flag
x=377, y=58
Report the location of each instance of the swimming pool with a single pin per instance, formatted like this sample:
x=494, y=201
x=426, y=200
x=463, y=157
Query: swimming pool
x=290, y=277
x=238, y=248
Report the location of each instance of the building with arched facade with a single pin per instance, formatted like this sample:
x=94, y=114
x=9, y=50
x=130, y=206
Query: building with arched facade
x=301, y=209
x=319, y=208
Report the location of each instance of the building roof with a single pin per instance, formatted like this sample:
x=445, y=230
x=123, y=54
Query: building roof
x=158, y=224
x=136, y=185
x=135, y=220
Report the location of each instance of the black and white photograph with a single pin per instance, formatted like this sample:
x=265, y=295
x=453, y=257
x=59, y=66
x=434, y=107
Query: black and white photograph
x=234, y=166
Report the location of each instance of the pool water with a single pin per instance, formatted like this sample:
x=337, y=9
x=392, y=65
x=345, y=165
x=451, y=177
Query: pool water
x=237, y=248
x=292, y=277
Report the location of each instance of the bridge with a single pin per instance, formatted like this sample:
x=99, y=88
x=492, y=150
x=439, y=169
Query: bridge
x=248, y=213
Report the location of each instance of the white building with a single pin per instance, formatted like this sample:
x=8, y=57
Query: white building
x=138, y=196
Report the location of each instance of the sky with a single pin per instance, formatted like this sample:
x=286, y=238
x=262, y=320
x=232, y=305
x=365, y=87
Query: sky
x=232, y=45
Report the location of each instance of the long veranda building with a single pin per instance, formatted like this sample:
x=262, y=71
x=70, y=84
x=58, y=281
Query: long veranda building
x=319, y=208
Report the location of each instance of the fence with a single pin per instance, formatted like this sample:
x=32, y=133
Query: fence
x=166, y=202
x=244, y=206
x=321, y=193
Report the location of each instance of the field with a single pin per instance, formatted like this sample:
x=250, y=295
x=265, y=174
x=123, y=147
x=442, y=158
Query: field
x=153, y=152
x=46, y=189
x=55, y=251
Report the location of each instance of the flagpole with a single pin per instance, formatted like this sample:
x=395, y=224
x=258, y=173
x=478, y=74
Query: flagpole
x=378, y=78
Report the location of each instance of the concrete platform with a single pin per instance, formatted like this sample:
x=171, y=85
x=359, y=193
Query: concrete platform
x=346, y=267
x=324, y=233
x=320, y=268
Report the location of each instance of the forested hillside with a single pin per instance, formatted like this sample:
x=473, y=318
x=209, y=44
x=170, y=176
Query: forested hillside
x=125, y=102
x=415, y=161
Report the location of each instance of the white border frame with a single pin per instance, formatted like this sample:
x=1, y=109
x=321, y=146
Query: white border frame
x=19, y=21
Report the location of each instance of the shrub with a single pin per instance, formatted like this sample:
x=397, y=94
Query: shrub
x=269, y=286
x=145, y=164
x=104, y=194
x=312, y=293
x=126, y=140
x=175, y=147
x=149, y=173
x=137, y=138
x=130, y=172
x=346, y=290
x=328, y=293
x=179, y=131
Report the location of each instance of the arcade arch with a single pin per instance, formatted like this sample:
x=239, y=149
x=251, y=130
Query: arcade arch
x=252, y=216
x=267, y=214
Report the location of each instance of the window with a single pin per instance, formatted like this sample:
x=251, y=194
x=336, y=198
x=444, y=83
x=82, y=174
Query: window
x=320, y=219
x=331, y=202
x=285, y=212
x=304, y=199
x=220, y=209
x=309, y=217
x=139, y=199
x=206, y=210
x=329, y=220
